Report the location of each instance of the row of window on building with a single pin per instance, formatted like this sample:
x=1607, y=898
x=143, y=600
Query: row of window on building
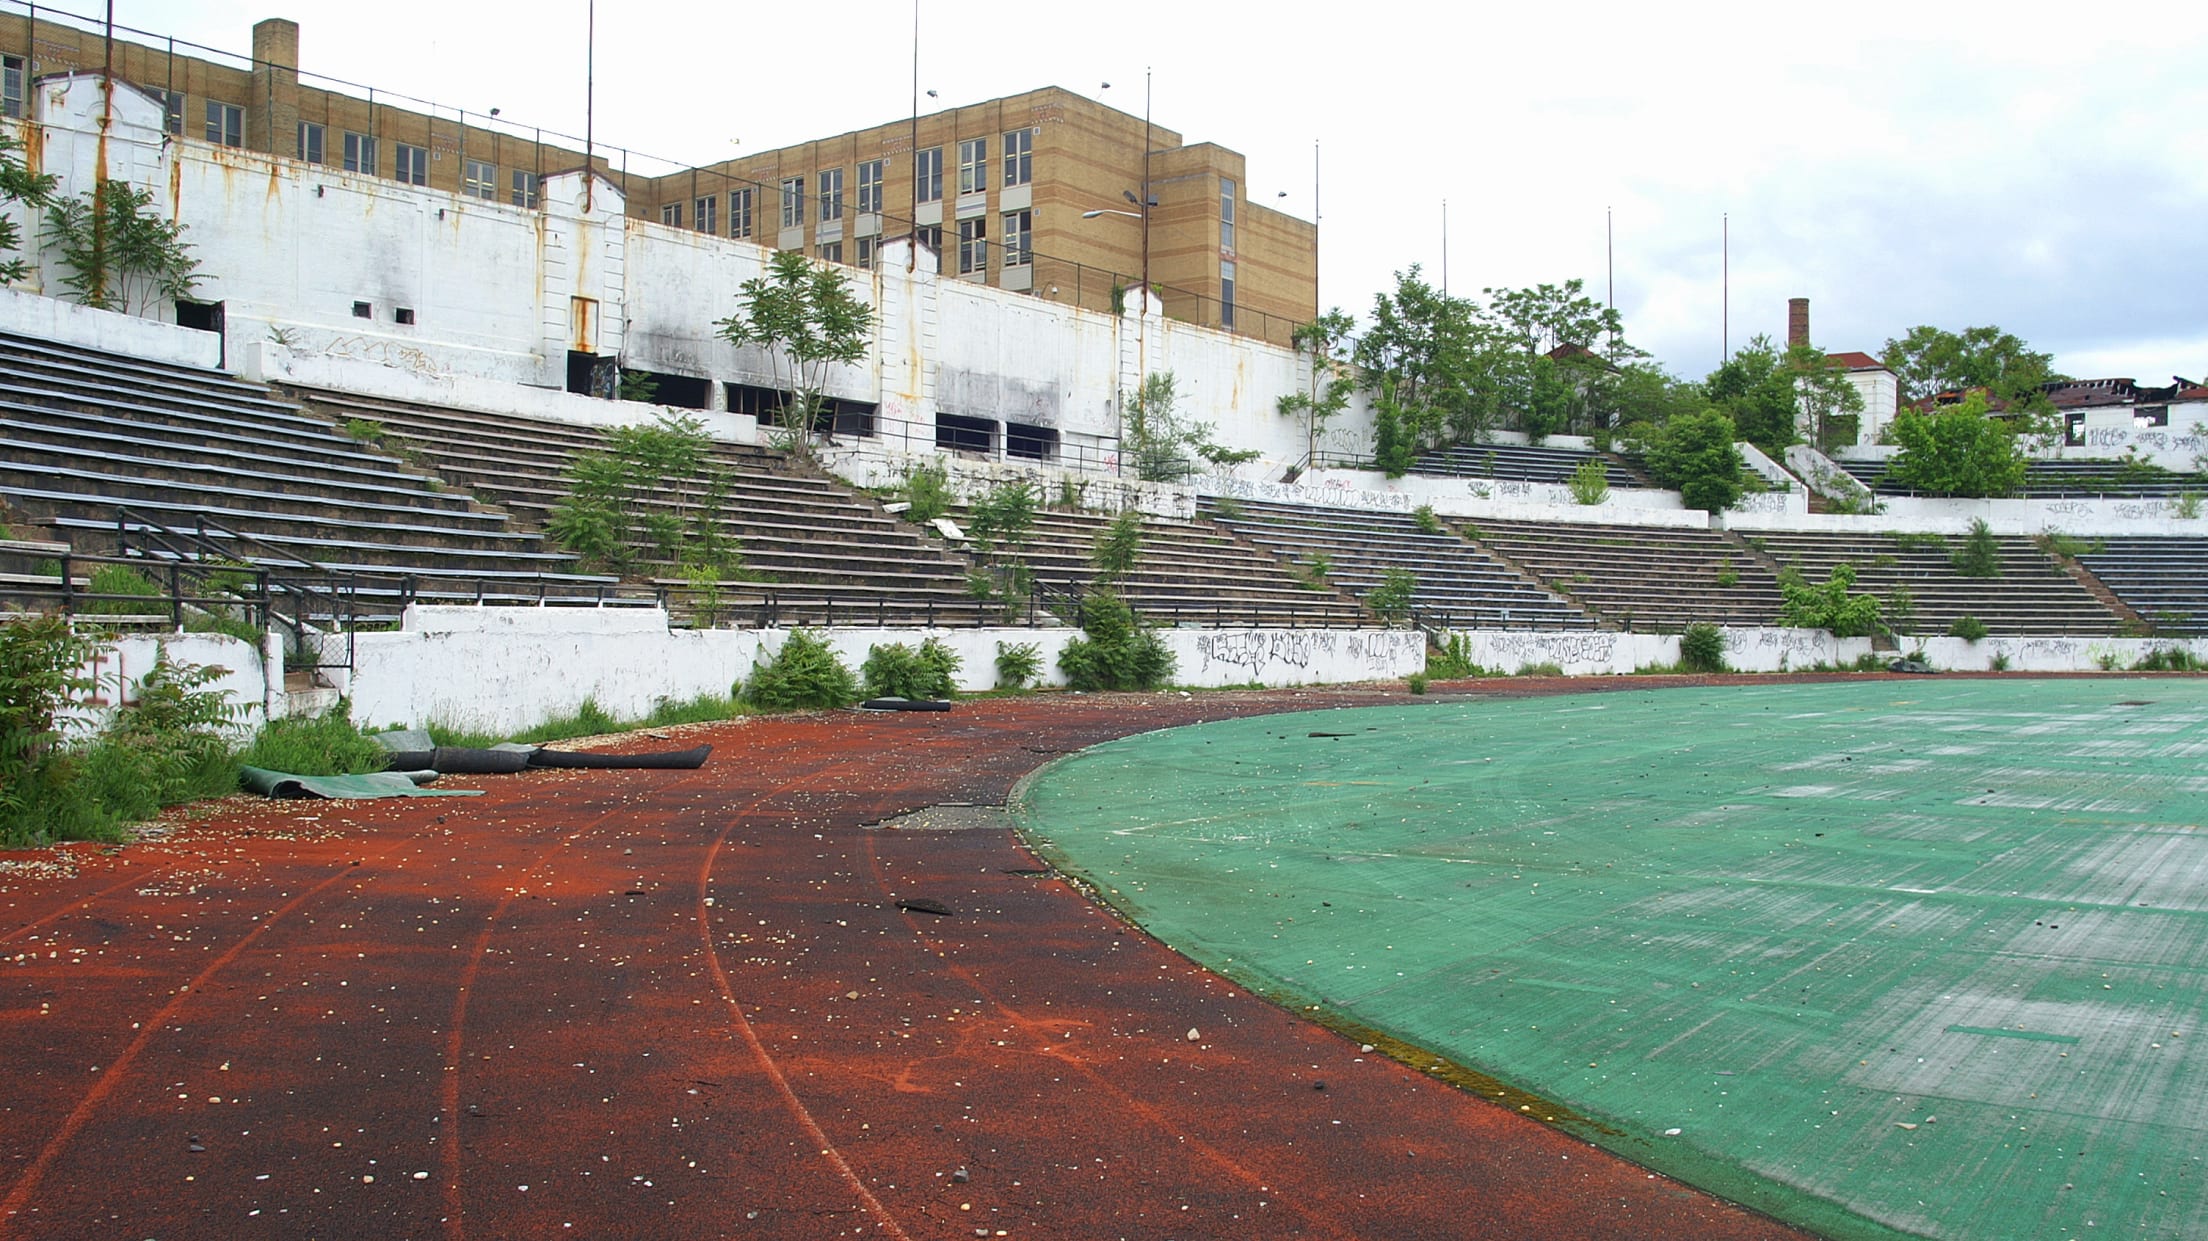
x=825, y=200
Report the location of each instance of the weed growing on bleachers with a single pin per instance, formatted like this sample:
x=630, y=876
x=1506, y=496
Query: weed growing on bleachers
x=1590, y=483
x=927, y=493
x=1311, y=574
x=1831, y=606
x=1920, y=541
x=1423, y=517
x=365, y=430
x=1117, y=546
x=1980, y=553
x=1391, y=599
x=143, y=596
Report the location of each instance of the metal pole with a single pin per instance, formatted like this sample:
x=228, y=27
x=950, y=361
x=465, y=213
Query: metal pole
x=590, y=101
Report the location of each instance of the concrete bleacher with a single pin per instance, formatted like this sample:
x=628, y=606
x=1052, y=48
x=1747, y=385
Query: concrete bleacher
x=2062, y=478
x=1186, y=573
x=2163, y=579
x=1459, y=586
x=814, y=550
x=1642, y=578
x=107, y=452
x=1528, y=463
x=2033, y=594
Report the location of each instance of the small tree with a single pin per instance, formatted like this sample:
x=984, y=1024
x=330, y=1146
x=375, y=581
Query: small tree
x=1830, y=606
x=636, y=493
x=1391, y=600
x=1956, y=450
x=1695, y=453
x=1321, y=341
x=1115, y=651
x=120, y=253
x=1160, y=443
x=1979, y=555
x=806, y=317
x=18, y=184
x=1590, y=483
x=1117, y=547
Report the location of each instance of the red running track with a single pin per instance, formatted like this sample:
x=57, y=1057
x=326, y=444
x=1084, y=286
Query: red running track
x=685, y=1004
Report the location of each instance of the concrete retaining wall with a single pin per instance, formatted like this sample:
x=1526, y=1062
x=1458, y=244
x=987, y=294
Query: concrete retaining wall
x=120, y=665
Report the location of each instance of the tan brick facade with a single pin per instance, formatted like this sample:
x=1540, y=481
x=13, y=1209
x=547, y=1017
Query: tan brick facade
x=1256, y=273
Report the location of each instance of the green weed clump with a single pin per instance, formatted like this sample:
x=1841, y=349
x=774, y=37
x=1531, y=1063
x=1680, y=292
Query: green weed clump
x=1702, y=648
x=894, y=670
x=1018, y=664
x=1116, y=651
x=324, y=745
x=804, y=675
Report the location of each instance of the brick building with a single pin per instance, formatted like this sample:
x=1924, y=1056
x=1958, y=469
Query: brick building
x=1004, y=194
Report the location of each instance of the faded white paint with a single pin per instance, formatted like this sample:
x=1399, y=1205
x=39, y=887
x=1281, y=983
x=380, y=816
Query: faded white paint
x=1609, y=653
x=121, y=664
x=2053, y=654
x=48, y=318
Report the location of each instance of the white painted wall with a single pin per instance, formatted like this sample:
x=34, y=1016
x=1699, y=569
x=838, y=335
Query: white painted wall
x=1606, y=653
x=52, y=319
x=2017, y=517
x=120, y=664
x=1881, y=393
x=2046, y=654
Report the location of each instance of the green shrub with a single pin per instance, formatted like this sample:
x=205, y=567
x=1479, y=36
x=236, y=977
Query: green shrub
x=1999, y=663
x=1968, y=628
x=1550, y=669
x=1311, y=574
x=1451, y=660
x=1003, y=516
x=1702, y=648
x=1391, y=599
x=1070, y=493
x=1590, y=483
x=145, y=595
x=2169, y=659
x=1018, y=664
x=1226, y=508
x=2068, y=547
x=1116, y=651
x=1920, y=541
x=324, y=745
x=2186, y=506
x=894, y=670
x=1416, y=682
x=805, y=674
x=365, y=431
x=1423, y=517
x=1118, y=544
x=927, y=493
x=1980, y=553
x=1830, y=606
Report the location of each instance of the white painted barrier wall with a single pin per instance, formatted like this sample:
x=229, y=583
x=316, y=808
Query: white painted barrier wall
x=122, y=663
x=504, y=669
x=1583, y=652
x=48, y=318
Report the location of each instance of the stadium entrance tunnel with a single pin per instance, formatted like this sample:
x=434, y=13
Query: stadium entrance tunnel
x=1878, y=958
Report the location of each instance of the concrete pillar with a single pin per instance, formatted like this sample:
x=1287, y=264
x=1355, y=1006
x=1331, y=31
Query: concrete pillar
x=272, y=114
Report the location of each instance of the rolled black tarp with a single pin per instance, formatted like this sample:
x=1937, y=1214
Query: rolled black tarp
x=905, y=704
x=661, y=760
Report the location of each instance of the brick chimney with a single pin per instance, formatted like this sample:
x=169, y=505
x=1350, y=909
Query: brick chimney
x=1797, y=321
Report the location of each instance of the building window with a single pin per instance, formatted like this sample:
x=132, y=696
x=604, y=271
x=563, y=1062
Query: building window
x=927, y=172
x=1019, y=157
x=870, y=187
x=1226, y=295
x=525, y=188
x=973, y=165
x=225, y=124
x=11, y=85
x=1018, y=233
x=866, y=252
x=310, y=142
x=670, y=214
x=829, y=252
x=1226, y=214
x=707, y=211
x=480, y=180
x=413, y=165
x=831, y=194
x=360, y=153
x=931, y=236
x=172, y=106
x=973, y=246
x=793, y=202
x=739, y=212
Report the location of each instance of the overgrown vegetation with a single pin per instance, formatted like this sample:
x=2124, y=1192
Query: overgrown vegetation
x=1117, y=547
x=1968, y=628
x=1391, y=599
x=1451, y=660
x=167, y=745
x=1311, y=573
x=654, y=494
x=894, y=670
x=365, y=430
x=1331, y=382
x=589, y=719
x=1831, y=606
x=1116, y=651
x=1162, y=446
x=1019, y=664
x=121, y=254
x=329, y=744
x=804, y=675
x=1000, y=524
x=1423, y=517
x=1695, y=455
x=2169, y=659
x=1979, y=555
x=1956, y=450
x=1590, y=483
x=805, y=317
x=927, y=492
x=1702, y=648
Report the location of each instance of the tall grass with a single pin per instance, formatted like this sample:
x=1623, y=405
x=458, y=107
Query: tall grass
x=591, y=720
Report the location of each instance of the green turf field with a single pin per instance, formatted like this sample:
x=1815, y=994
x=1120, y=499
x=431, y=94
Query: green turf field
x=1897, y=956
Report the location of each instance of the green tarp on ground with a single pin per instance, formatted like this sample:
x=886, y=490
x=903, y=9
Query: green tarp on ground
x=1923, y=957
x=375, y=784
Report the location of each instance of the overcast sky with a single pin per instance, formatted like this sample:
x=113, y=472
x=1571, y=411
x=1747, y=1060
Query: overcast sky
x=2040, y=168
